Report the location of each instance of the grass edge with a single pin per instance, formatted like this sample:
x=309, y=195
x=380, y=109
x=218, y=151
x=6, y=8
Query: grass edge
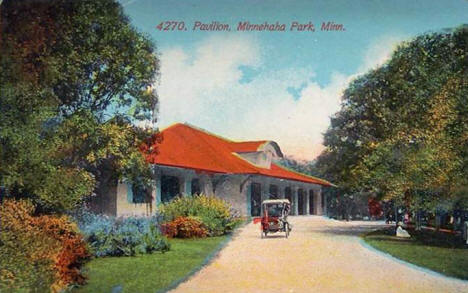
x=425, y=270
x=208, y=260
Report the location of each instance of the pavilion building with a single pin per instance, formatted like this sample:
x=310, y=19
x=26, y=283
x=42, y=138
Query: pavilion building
x=192, y=161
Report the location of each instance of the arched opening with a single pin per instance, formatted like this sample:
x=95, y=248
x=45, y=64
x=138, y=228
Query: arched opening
x=195, y=186
x=273, y=191
x=170, y=188
x=311, y=202
x=300, y=201
x=288, y=194
x=255, y=199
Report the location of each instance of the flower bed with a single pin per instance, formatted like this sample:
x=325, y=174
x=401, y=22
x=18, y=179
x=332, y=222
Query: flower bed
x=184, y=227
x=109, y=236
x=213, y=213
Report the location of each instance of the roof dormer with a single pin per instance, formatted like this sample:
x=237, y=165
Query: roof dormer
x=265, y=153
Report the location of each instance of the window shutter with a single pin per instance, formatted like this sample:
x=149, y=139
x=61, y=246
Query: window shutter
x=129, y=193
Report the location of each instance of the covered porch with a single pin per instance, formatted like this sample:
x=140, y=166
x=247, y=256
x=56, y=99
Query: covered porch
x=305, y=198
x=244, y=192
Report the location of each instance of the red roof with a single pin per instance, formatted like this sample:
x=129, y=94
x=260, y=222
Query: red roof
x=186, y=146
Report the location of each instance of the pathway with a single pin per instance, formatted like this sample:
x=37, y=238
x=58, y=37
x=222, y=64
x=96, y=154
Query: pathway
x=321, y=255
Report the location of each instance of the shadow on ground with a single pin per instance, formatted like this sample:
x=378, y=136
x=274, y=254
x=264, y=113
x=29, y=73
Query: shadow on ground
x=348, y=231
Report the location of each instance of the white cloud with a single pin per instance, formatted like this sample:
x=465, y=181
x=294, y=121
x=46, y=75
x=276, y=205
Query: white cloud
x=379, y=52
x=202, y=87
x=189, y=81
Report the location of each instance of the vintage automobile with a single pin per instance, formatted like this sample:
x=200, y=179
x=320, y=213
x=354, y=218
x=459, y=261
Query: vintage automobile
x=274, y=217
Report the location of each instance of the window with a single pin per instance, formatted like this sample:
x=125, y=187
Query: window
x=138, y=193
x=196, y=189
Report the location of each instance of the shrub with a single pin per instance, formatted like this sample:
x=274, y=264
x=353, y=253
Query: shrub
x=184, y=227
x=109, y=236
x=72, y=253
x=213, y=212
x=43, y=253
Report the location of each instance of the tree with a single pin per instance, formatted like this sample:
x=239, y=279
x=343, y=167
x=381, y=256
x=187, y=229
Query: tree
x=402, y=130
x=76, y=77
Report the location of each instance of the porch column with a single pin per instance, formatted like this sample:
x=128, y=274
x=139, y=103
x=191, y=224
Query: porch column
x=263, y=193
x=318, y=202
x=296, y=201
x=265, y=189
x=307, y=201
x=157, y=183
x=187, y=185
x=207, y=185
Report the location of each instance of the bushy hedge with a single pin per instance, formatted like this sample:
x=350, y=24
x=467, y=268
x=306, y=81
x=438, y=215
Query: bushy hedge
x=110, y=236
x=38, y=253
x=184, y=227
x=215, y=213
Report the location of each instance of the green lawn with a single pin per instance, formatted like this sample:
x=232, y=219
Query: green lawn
x=436, y=251
x=149, y=273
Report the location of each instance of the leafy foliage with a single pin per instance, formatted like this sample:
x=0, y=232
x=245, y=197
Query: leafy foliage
x=302, y=166
x=109, y=236
x=43, y=253
x=402, y=130
x=212, y=211
x=184, y=227
x=75, y=78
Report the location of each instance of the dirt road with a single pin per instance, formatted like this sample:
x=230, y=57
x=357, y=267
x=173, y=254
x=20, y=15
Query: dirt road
x=321, y=255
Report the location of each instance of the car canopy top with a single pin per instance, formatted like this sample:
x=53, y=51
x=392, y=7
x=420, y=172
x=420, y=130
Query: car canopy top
x=276, y=201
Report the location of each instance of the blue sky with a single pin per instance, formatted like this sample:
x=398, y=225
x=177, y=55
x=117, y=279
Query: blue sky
x=282, y=86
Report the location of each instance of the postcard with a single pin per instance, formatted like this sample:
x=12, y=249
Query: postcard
x=233, y=146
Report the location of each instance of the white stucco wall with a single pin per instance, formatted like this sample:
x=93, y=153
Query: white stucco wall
x=125, y=208
x=229, y=190
x=227, y=187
